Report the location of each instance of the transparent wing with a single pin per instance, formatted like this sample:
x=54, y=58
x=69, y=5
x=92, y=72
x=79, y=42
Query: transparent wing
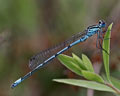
x=43, y=55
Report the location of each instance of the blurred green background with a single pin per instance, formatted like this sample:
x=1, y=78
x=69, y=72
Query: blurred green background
x=29, y=26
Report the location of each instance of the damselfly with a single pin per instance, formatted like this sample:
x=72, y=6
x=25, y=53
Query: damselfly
x=44, y=57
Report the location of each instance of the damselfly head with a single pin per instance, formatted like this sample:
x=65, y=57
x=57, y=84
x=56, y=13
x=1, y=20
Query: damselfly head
x=102, y=23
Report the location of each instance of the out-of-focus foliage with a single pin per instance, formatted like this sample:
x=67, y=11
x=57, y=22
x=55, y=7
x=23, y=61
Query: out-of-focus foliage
x=29, y=26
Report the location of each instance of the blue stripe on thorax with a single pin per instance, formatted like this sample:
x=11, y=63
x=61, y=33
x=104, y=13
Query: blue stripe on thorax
x=92, y=31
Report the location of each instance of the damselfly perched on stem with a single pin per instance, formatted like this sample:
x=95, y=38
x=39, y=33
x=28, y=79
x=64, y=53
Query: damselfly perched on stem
x=44, y=57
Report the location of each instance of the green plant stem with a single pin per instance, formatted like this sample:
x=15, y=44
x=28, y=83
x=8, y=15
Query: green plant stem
x=111, y=86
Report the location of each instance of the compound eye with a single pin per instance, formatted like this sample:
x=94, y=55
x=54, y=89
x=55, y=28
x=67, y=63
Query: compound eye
x=100, y=21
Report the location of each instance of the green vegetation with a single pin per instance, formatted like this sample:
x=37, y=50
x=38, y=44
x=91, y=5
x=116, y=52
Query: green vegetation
x=95, y=82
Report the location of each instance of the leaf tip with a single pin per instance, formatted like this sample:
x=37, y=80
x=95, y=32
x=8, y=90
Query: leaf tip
x=110, y=26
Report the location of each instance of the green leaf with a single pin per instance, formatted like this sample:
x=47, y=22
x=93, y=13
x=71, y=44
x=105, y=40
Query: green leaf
x=106, y=46
x=70, y=63
x=115, y=82
x=86, y=84
x=87, y=63
x=92, y=76
x=79, y=61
